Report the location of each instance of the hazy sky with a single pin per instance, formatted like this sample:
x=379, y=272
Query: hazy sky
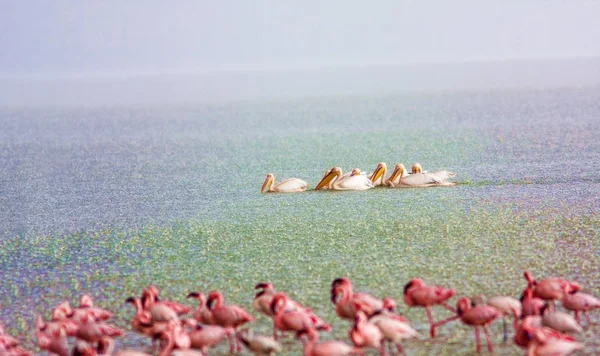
x=103, y=36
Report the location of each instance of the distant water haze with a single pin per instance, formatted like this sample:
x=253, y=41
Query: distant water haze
x=167, y=87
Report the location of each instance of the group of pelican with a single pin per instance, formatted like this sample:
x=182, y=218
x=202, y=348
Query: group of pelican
x=334, y=179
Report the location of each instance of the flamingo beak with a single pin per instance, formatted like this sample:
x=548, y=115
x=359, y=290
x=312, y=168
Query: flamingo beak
x=378, y=173
x=267, y=184
x=193, y=295
x=327, y=179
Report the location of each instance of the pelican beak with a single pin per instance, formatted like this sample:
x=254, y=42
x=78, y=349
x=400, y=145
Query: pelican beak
x=394, y=175
x=333, y=173
x=378, y=173
x=267, y=184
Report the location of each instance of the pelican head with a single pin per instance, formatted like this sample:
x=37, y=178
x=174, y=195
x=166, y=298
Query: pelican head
x=355, y=172
x=378, y=172
x=399, y=170
x=333, y=173
x=268, y=183
x=416, y=168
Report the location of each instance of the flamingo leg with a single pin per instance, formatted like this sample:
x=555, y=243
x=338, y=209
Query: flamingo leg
x=488, y=339
x=553, y=305
x=477, y=341
x=440, y=323
x=504, y=328
x=431, y=322
x=382, y=349
x=587, y=317
x=231, y=343
x=390, y=347
x=237, y=340
x=577, y=317
x=400, y=349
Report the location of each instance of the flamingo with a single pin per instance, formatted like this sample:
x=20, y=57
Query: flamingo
x=93, y=332
x=419, y=294
x=364, y=334
x=86, y=303
x=264, y=298
x=204, y=336
x=479, y=315
x=544, y=343
x=150, y=299
x=399, y=178
x=178, y=341
x=228, y=316
x=551, y=289
x=505, y=304
x=328, y=348
x=334, y=181
x=142, y=321
x=54, y=341
x=10, y=346
x=202, y=314
x=345, y=300
x=290, y=185
x=395, y=329
x=530, y=304
x=298, y=321
x=560, y=321
x=259, y=344
x=580, y=302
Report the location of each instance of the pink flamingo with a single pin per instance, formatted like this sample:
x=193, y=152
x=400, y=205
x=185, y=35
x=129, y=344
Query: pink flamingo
x=530, y=304
x=580, y=302
x=551, y=289
x=297, y=321
x=202, y=314
x=364, y=334
x=204, y=336
x=228, y=316
x=150, y=298
x=479, y=315
x=419, y=294
x=328, y=348
x=345, y=300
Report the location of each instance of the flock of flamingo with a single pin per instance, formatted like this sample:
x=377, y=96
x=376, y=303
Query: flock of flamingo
x=355, y=180
x=538, y=326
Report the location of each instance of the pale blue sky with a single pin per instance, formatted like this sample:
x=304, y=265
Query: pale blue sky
x=121, y=36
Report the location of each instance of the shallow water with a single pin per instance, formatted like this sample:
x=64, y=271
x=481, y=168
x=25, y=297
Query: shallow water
x=109, y=200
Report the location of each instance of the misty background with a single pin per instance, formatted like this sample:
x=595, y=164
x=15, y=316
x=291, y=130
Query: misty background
x=111, y=52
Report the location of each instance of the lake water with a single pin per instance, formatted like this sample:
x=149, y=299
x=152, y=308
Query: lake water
x=107, y=200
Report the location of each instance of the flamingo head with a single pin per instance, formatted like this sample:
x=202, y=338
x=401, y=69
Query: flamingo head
x=378, y=172
x=416, y=168
x=268, y=183
x=85, y=301
x=415, y=282
x=62, y=311
x=214, y=296
x=360, y=317
x=389, y=304
x=197, y=295
x=40, y=324
x=328, y=178
x=279, y=300
x=264, y=285
x=399, y=170
x=340, y=281
x=463, y=305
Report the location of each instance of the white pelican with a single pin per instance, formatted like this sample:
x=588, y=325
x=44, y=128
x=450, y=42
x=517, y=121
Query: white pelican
x=442, y=175
x=329, y=186
x=355, y=181
x=378, y=175
x=290, y=185
x=399, y=178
